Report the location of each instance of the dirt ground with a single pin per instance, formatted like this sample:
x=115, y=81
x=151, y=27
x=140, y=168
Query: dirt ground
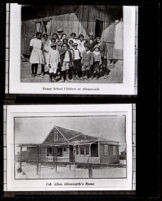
x=30, y=171
x=115, y=76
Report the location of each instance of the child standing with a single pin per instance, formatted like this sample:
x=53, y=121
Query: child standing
x=81, y=43
x=54, y=59
x=76, y=57
x=97, y=62
x=87, y=62
x=46, y=48
x=36, y=56
x=65, y=62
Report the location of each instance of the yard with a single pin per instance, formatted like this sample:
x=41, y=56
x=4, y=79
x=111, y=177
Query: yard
x=66, y=171
x=115, y=76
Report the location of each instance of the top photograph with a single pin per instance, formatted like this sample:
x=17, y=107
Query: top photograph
x=72, y=49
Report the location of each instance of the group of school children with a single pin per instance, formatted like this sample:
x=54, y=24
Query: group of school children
x=68, y=58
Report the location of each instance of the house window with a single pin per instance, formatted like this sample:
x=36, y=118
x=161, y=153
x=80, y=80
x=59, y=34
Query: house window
x=87, y=149
x=49, y=151
x=47, y=27
x=59, y=152
x=77, y=150
x=98, y=28
x=82, y=150
x=110, y=149
x=106, y=150
x=114, y=150
x=55, y=137
x=38, y=27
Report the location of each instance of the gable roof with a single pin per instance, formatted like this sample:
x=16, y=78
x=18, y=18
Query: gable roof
x=67, y=133
x=71, y=137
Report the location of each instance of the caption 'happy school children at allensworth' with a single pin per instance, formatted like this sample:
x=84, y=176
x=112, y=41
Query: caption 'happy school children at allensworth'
x=68, y=58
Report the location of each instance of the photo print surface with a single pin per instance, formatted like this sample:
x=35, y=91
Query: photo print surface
x=72, y=49
x=72, y=44
x=61, y=147
x=69, y=147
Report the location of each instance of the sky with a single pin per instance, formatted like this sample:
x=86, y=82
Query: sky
x=36, y=129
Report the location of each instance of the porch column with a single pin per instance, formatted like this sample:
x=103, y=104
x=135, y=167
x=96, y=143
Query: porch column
x=38, y=161
x=90, y=150
x=20, y=156
x=55, y=157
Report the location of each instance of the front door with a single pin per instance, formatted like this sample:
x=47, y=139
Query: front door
x=71, y=154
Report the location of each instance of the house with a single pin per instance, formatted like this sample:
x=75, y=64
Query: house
x=104, y=21
x=68, y=146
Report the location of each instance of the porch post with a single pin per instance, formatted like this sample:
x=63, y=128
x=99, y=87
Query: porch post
x=90, y=150
x=20, y=156
x=55, y=157
x=90, y=173
x=38, y=161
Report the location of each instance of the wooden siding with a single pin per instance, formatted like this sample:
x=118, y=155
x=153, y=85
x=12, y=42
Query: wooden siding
x=110, y=158
x=80, y=20
x=83, y=137
x=51, y=139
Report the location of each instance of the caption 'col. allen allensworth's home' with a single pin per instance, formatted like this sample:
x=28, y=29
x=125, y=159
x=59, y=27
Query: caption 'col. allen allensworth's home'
x=69, y=146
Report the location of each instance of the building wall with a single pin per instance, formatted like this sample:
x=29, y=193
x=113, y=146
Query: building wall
x=31, y=155
x=109, y=158
x=54, y=137
x=82, y=21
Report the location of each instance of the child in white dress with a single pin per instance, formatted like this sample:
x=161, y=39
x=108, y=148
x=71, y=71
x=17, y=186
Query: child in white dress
x=36, y=56
x=54, y=59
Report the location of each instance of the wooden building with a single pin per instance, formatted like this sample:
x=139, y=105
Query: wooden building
x=104, y=21
x=68, y=146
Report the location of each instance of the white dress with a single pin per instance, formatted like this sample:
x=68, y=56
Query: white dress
x=46, y=47
x=36, y=56
x=54, y=59
x=81, y=46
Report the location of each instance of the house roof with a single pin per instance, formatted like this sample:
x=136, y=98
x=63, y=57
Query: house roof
x=71, y=138
x=67, y=133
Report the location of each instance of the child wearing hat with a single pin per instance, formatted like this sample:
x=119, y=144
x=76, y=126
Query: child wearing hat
x=54, y=59
x=76, y=58
x=97, y=62
x=65, y=62
x=87, y=62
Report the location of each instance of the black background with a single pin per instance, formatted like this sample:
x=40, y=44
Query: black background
x=147, y=100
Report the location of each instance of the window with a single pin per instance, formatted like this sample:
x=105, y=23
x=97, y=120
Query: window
x=38, y=27
x=82, y=150
x=98, y=28
x=59, y=152
x=106, y=150
x=87, y=149
x=77, y=150
x=114, y=150
x=110, y=149
x=55, y=137
x=47, y=27
x=24, y=148
x=49, y=151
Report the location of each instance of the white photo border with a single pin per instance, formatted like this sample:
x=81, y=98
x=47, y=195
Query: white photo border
x=125, y=88
x=70, y=110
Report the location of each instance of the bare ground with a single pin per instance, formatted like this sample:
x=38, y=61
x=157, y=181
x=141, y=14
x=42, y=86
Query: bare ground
x=115, y=76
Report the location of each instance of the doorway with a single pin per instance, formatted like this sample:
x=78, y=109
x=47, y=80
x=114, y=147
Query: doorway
x=98, y=28
x=71, y=154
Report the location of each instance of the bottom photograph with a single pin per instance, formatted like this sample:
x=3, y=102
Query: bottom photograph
x=69, y=147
